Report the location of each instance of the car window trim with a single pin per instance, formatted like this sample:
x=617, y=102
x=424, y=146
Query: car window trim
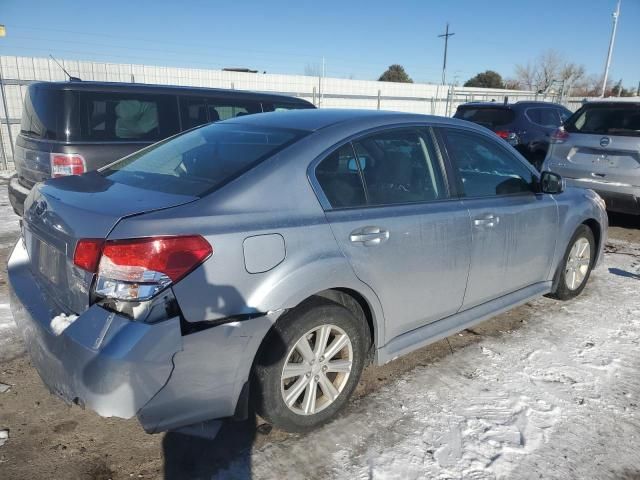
x=440, y=129
x=324, y=201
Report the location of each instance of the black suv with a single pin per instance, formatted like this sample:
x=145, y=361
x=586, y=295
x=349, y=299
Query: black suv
x=525, y=125
x=69, y=128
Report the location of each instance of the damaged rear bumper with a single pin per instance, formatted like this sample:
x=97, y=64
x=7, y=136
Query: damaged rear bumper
x=119, y=367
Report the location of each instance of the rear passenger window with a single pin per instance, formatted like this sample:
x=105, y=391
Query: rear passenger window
x=193, y=112
x=400, y=166
x=340, y=179
x=486, y=168
x=223, y=110
x=121, y=116
x=545, y=117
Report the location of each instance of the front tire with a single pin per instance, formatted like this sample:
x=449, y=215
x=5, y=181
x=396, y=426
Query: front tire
x=309, y=365
x=575, y=269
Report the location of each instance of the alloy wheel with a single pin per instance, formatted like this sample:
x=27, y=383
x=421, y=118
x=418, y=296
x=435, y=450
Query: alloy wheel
x=316, y=370
x=578, y=263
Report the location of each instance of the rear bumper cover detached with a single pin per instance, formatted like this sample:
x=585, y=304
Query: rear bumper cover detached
x=119, y=367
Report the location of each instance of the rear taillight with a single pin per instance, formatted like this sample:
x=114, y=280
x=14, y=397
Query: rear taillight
x=137, y=269
x=87, y=253
x=559, y=136
x=509, y=136
x=65, y=164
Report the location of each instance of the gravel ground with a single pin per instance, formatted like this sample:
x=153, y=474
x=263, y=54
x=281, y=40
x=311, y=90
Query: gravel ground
x=548, y=390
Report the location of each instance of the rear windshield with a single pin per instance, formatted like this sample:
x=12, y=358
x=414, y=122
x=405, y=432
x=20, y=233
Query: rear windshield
x=201, y=160
x=487, y=117
x=606, y=119
x=44, y=115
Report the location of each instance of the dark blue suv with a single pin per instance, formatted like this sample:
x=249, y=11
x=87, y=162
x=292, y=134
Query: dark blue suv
x=525, y=125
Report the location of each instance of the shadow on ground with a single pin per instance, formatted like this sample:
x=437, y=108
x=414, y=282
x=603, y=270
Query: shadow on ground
x=187, y=456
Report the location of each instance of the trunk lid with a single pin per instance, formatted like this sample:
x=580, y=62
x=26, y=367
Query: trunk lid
x=609, y=158
x=60, y=212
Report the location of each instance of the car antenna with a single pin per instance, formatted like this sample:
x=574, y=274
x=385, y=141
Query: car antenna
x=71, y=78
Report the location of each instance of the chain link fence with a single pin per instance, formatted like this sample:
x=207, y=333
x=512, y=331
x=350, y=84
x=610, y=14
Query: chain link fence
x=18, y=72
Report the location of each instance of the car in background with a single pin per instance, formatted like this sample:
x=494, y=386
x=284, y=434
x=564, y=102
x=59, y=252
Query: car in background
x=264, y=260
x=527, y=126
x=68, y=128
x=599, y=148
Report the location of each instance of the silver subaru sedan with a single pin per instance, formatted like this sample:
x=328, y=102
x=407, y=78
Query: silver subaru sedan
x=266, y=259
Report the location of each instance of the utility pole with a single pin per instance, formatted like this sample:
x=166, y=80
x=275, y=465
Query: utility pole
x=616, y=15
x=446, y=36
x=323, y=81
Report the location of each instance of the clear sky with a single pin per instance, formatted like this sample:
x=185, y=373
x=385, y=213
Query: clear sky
x=359, y=39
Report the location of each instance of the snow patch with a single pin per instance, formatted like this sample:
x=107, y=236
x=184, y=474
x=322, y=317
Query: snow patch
x=61, y=322
x=556, y=398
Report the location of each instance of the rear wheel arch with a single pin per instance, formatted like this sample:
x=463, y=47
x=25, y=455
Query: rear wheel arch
x=357, y=304
x=352, y=300
x=278, y=341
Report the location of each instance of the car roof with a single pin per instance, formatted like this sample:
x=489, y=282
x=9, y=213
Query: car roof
x=519, y=104
x=316, y=119
x=164, y=89
x=632, y=102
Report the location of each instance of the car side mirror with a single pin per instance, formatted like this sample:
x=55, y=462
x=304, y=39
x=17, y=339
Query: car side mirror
x=551, y=182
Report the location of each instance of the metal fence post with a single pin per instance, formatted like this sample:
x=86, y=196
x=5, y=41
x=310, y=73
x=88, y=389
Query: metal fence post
x=378, y=99
x=6, y=117
x=313, y=96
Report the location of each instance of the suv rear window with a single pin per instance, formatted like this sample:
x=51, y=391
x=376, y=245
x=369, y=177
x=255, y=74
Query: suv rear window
x=486, y=116
x=621, y=119
x=106, y=116
x=201, y=160
x=44, y=113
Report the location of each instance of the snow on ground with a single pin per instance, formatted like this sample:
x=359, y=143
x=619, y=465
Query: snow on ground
x=556, y=398
x=9, y=231
x=8, y=220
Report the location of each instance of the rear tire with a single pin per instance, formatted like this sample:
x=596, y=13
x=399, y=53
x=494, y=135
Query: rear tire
x=295, y=387
x=577, y=263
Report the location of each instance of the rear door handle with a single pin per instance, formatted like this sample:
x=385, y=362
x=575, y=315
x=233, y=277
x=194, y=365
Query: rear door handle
x=369, y=236
x=488, y=221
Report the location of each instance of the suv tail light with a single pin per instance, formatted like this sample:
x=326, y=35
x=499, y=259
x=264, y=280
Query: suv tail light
x=559, y=136
x=509, y=136
x=64, y=164
x=137, y=269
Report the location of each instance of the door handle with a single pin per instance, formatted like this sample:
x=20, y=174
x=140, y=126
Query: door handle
x=486, y=221
x=369, y=236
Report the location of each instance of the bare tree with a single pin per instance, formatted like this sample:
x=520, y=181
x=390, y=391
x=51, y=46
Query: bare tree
x=526, y=76
x=591, y=86
x=548, y=67
x=571, y=73
x=513, y=84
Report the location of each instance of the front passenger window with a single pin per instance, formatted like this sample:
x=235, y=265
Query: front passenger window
x=486, y=168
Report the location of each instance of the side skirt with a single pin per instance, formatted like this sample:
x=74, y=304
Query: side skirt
x=432, y=332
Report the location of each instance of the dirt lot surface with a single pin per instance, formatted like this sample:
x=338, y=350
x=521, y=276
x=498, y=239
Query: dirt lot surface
x=48, y=440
